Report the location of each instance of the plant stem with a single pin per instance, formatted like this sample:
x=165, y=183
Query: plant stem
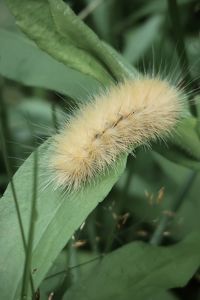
x=27, y=266
x=54, y=116
x=181, y=50
x=89, y=9
x=8, y=170
x=98, y=258
x=120, y=204
x=157, y=236
x=92, y=233
x=4, y=130
x=71, y=275
x=5, y=119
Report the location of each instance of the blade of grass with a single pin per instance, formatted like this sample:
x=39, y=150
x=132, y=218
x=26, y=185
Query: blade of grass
x=89, y=9
x=4, y=118
x=8, y=170
x=181, y=50
x=27, y=265
x=71, y=276
x=76, y=266
x=92, y=232
x=120, y=204
x=54, y=117
x=72, y=260
x=157, y=236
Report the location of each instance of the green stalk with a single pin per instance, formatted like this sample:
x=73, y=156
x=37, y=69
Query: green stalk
x=181, y=50
x=27, y=266
x=72, y=260
x=54, y=116
x=157, y=236
x=71, y=275
x=118, y=210
x=5, y=120
x=98, y=258
x=92, y=233
x=8, y=170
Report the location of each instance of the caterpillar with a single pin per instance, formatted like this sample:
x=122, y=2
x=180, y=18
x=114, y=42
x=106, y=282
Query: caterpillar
x=129, y=114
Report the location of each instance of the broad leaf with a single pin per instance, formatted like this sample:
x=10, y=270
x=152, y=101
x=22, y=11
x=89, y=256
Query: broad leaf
x=38, y=20
x=22, y=61
x=72, y=28
x=57, y=30
x=139, y=271
x=58, y=216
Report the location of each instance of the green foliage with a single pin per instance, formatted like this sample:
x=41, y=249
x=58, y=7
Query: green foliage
x=58, y=216
x=143, y=37
x=22, y=61
x=65, y=37
x=73, y=61
x=123, y=273
x=47, y=34
x=184, y=145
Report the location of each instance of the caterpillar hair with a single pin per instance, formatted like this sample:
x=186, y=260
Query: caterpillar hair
x=129, y=114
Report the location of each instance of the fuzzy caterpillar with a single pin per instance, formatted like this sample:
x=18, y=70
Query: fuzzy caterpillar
x=130, y=114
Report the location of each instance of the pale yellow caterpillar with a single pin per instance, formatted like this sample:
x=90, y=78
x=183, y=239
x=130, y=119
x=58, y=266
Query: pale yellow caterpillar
x=130, y=114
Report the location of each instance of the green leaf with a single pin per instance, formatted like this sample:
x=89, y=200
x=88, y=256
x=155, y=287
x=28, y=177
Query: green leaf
x=72, y=28
x=186, y=137
x=187, y=218
x=58, y=31
x=157, y=6
x=164, y=296
x=56, y=275
x=197, y=103
x=62, y=269
x=178, y=156
x=38, y=19
x=22, y=61
x=138, y=40
x=184, y=146
x=188, y=214
x=105, y=16
x=58, y=216
x=139, y=270
x=101, y=17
